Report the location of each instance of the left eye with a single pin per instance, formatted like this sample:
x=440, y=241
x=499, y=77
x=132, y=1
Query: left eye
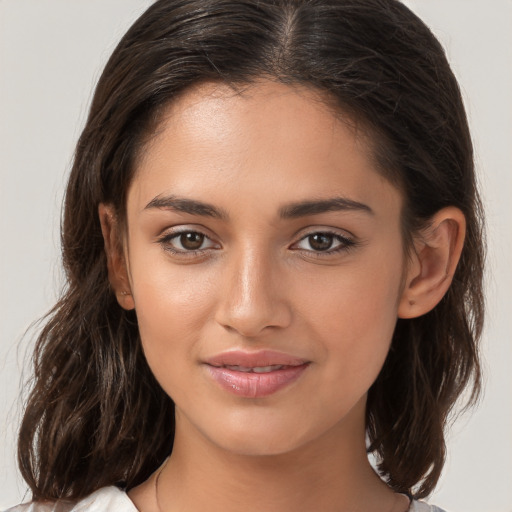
x=188, y=241
x=323, y=242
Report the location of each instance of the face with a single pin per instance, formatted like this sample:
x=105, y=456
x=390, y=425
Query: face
x=265, y=259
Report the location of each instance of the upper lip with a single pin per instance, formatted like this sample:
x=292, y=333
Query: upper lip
x=254, y=359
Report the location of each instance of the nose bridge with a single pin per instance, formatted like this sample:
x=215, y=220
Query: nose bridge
x=252, y=300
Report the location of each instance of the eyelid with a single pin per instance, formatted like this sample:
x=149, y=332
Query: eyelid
x=174, y=232
x=346, y=239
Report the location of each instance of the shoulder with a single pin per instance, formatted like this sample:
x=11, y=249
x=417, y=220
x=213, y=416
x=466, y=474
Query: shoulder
x=106, y=498
x=421, y=506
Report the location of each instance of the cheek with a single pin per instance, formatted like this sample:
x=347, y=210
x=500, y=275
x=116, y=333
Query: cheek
x=173, y=304
x=356, y=319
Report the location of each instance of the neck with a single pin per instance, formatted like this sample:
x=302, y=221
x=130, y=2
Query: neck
x=329, y=474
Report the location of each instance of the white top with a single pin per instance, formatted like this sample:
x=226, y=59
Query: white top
x=112, y=499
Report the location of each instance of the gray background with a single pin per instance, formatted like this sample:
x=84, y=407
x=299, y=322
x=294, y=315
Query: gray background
x=51, y=54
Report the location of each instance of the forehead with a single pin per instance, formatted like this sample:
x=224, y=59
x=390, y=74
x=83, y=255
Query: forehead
x=265, y=139
x=216, y=110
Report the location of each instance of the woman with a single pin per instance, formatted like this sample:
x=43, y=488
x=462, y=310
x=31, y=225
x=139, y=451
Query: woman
x=273, y=246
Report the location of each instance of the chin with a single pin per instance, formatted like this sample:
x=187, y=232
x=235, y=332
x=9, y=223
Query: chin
x=262, y=436
x=249, y=445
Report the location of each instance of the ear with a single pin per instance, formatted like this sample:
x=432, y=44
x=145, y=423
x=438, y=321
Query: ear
x=116, y=260
x=437, y=250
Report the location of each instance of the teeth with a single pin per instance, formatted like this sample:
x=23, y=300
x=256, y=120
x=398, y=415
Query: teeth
x=266, y=369
x=255, y=369
x=238, y=368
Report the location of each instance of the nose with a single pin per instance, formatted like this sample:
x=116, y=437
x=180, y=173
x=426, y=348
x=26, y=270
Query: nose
x=254, y=296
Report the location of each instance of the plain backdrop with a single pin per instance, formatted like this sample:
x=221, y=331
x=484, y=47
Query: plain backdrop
x=51, y=54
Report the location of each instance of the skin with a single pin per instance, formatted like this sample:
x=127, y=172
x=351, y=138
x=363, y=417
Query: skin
x=258, y=281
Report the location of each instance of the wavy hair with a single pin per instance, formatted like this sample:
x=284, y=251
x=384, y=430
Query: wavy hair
x=96, y=415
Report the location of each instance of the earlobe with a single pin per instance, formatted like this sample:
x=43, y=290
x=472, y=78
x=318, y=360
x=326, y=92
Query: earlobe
x=116, y=261
x=436, y=253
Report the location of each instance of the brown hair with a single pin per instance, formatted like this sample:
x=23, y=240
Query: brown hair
x=96, y=416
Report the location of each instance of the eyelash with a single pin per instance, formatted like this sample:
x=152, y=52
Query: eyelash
x=165, y=242
x=345, y=243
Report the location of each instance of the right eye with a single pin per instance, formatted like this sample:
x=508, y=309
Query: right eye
x=187, y=242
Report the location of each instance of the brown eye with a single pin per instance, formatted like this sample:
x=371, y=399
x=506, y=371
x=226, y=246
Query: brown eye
x=324, y=242
x=191, y=241
x=321, y=241
x=187, y=243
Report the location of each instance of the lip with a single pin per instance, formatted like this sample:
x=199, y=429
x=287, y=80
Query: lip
x=248, y=384
x=253, y=359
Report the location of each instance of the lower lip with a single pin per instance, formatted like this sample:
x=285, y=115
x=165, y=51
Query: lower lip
x=255, y=385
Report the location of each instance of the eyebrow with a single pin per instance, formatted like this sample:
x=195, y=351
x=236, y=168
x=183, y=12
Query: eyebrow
x=190, y=206
x=305, y=208
x=289, y=211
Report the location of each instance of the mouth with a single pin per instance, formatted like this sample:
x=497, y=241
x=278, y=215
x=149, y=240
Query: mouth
x=255, y=375
x=256, y=369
